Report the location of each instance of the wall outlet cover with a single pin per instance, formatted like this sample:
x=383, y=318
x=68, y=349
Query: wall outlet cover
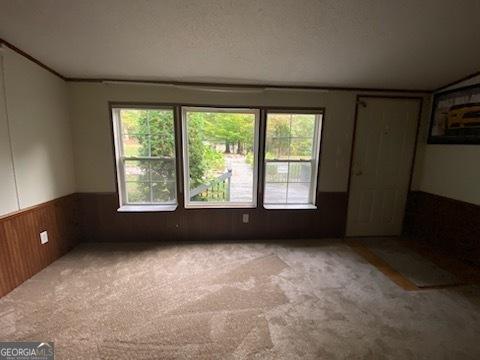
x=43, y=237
x=245, y=218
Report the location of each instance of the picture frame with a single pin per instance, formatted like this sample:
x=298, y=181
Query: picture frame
x=455, y=116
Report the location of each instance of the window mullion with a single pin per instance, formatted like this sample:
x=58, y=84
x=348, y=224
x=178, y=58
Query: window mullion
x=150, y=180
x=149, y=137
x=123, y=185
x=289, y=153
x=314, y=161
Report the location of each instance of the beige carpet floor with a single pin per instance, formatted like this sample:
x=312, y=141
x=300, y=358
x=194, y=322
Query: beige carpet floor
x=303, y=300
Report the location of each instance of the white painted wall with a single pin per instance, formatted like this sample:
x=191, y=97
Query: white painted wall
x=452, y=171
x=8, y=193
x=94, y=157
x=34, y=105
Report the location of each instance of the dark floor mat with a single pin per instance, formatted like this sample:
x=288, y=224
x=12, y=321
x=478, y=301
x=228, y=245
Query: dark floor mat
x=419, y=270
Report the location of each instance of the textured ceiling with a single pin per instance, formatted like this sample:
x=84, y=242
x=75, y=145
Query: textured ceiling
x=407, y=44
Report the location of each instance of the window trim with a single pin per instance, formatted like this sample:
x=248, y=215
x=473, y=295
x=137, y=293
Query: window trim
x=316, y=152
x=120, y=159
x=179, y=138
x=186, y=169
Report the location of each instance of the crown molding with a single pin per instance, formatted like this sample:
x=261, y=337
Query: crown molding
x=31, y=58
x=468, y=77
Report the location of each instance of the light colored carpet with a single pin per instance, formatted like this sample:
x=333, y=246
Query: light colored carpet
x=413, y=266
x=236, y=301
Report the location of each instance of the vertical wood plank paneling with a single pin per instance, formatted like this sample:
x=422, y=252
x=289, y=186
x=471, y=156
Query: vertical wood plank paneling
x=449, y=225
x=7, y=278
x=94, y=217
x=100, y=221
x=21, y=254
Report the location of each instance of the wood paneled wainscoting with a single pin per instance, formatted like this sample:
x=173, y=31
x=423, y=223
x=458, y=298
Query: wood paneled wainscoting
x=444, y=224
x=100, y=221
x=21, y=253
x=94, y=217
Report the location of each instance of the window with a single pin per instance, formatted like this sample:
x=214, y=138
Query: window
x=291, y=159
x=220, y=156
x=145, y=158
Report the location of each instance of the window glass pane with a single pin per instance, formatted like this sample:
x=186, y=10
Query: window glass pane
x=301, y=148
x=299, y=172
x=220, y=155
x=162, y=170
x=277, y=148
x=133, y=121
x=163, y=192
x=275, y=193
x=278, y=125
x=290, y=158
x=278, y=137
x=137, y=192
x=276, y=172
x=136, y=145
x=162, y=136
x=298, y=193
x=303, y=125
x=136, y=170
x=147, y=134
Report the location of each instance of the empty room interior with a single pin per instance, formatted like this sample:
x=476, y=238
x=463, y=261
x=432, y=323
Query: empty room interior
x=270, y=179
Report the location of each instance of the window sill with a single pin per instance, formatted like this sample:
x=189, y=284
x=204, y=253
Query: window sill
x=220, y=206
x=147, y=208
x=290, y=207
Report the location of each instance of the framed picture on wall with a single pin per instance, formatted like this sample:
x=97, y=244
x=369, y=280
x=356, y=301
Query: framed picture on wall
x=456, y=116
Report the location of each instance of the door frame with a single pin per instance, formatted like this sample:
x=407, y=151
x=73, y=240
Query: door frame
x=358, y=102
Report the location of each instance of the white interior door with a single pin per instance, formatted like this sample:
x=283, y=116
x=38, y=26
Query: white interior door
x=382, y=159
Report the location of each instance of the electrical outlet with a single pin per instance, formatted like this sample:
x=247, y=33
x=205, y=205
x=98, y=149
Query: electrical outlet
x=44, y=237
x=245, y=218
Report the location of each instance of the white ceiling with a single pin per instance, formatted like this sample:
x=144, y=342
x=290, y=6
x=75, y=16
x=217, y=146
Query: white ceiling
x=405, y=44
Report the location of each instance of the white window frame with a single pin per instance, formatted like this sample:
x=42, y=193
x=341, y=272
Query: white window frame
x=120, y=159
x=186, y=168
x=317, y=134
